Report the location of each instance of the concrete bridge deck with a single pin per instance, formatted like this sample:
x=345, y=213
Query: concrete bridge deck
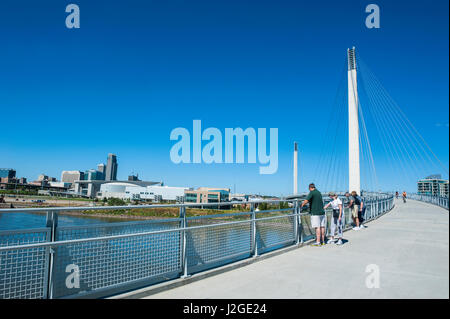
x=410, y=245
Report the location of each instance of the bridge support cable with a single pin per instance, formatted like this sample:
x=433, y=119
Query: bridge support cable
x=401, y=134
x=403, y=145
x=386, y=129
x=369, y=170
x=406, y=122
x=329, y=149
x=399, y=131
x=331, y=168
x=381, y=130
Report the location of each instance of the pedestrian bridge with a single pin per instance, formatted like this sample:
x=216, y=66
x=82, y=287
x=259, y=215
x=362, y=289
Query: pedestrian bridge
x=409, y=246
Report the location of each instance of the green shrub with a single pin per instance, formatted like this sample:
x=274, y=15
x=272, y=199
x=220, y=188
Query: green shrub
x=115, y=202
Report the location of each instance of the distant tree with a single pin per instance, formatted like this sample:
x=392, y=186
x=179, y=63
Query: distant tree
x=284, y=205
x=116, y=202
x=263, y=206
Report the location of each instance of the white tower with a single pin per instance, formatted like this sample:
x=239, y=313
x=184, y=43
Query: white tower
x=295, y=168
x=353, y=126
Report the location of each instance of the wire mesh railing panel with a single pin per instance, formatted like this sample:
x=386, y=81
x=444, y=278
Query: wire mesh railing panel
x=112, y=229
x=274, y=232
x=23, y=273
x=306, y=229
x=219, y=244
x=85, y=267
x=217, y=219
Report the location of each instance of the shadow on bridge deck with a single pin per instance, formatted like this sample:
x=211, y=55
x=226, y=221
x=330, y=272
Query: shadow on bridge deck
x=409, y=245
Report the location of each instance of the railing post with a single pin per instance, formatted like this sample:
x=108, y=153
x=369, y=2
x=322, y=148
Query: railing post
x=300, y=225
x=297, y=240
x=254, y=241
x=52, y=223
x=376, y=206
x=184, y=263
x=371, y=209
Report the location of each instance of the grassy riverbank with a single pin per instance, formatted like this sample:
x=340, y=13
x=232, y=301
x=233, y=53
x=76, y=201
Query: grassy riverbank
x=155, y=213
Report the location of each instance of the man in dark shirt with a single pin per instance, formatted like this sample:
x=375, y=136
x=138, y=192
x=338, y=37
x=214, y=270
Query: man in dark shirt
x=317, y=212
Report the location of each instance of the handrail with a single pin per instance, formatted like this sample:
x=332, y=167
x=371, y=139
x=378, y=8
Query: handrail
x=441, y=201
x=79, y=208
x=171, y=230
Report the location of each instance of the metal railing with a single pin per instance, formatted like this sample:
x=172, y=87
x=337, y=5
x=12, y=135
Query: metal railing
x=440, y=201
x=105, y=259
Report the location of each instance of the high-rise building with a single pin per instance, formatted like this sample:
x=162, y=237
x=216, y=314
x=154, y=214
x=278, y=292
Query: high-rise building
x=71, y=176
x=433, y=185
x=111, y=168
x=93, y=175
x=102, y=169
x=7, y=173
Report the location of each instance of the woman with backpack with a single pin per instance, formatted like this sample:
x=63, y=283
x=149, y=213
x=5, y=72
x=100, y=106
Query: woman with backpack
x=337, y=219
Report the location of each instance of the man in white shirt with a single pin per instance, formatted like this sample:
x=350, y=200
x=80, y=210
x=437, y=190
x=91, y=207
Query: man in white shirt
x=336, y=218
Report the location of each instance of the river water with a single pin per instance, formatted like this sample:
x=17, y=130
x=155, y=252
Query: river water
x=21, y=220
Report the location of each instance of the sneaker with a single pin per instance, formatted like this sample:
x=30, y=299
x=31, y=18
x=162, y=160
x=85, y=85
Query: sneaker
x=331, y=241
x=339, y=242
x=362, y=226
x=356, y=228
x=315, y=244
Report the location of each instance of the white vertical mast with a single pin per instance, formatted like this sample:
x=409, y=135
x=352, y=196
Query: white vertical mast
x=353, y=126
x=295, y=168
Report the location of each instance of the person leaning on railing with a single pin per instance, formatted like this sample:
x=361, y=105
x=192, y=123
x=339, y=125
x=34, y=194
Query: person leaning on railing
x=354, y=208
x=317, y=212
x=361, y=211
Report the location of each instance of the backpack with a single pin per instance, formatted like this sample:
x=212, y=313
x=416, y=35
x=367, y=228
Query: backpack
x=357, y=200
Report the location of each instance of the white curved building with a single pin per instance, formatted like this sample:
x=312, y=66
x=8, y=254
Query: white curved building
x=132, y=190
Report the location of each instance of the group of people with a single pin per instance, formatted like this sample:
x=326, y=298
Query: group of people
x=318, y=217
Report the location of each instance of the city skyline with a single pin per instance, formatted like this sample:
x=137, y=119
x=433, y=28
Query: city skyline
x=136, y=74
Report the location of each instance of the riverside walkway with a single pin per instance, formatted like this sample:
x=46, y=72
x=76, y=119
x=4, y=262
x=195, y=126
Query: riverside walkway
x=410, y=246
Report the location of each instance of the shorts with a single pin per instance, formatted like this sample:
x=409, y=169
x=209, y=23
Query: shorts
x=355, y=210
x=318, y=221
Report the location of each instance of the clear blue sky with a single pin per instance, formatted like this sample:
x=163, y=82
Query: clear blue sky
x=135, y=70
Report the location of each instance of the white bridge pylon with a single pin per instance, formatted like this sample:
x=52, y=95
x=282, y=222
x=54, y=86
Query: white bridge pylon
x=354, y=177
